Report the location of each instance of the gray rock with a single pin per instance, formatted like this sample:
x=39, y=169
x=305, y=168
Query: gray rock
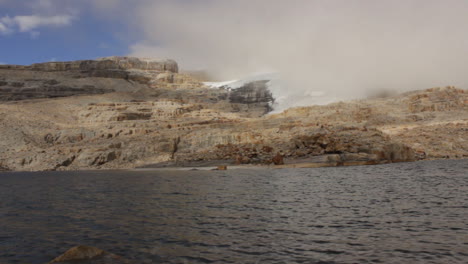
x=109, y=63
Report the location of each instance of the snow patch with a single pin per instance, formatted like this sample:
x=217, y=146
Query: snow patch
x=219, y=84
x=284, y=98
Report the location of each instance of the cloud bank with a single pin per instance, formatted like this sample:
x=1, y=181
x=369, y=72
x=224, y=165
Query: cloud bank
x=343, y=48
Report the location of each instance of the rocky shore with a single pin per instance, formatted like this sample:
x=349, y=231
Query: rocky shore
x=123, y=113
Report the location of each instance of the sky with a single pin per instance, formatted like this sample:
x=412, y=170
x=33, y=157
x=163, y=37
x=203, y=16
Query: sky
x=345, y=48
x=46, y=30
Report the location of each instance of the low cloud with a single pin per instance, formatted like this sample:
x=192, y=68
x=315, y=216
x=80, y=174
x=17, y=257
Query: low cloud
x=342, y=48
x=31, y=23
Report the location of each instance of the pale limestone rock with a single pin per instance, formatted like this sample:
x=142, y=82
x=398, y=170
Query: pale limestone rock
x=175, y=119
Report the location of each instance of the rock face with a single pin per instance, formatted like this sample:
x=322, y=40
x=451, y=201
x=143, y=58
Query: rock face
x=253, y=93
x=63, y=79
x=171, y=118
x=109, y=64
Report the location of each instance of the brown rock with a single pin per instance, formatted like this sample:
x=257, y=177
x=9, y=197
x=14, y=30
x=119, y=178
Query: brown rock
x=88, y=255
x=278, y=159
x=79, y=253
x=242, y=160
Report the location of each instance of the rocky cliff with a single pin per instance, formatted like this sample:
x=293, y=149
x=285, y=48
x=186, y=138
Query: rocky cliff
x=124, y=112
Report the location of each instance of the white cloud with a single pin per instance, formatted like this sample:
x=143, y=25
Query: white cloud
x=344, y=48
x=31, y=23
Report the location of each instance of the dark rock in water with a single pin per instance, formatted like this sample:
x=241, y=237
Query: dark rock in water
x=88, y=255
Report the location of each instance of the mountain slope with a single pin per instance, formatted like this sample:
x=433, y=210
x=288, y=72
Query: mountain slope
x=158, y=116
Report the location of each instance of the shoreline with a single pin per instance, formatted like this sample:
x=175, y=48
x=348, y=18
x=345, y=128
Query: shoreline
x=272, y=167
x=214, y=166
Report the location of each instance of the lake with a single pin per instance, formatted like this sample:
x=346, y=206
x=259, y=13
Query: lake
x=394, y=213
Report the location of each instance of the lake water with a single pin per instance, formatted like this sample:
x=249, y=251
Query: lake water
x=394, y=213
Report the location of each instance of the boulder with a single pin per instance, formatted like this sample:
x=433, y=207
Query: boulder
x=88, y=255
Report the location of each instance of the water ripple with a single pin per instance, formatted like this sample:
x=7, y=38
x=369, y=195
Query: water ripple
x=394, y=213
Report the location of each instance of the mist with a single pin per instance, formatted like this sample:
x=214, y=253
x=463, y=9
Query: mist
x=345, y=49
x=322, y=51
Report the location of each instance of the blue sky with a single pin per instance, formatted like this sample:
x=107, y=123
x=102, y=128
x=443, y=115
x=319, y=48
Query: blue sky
x=33, y=35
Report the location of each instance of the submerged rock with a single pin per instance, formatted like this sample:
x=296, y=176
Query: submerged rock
x=88, y=255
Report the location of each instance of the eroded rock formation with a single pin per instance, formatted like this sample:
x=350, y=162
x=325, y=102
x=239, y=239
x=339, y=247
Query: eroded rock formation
x=160, y=116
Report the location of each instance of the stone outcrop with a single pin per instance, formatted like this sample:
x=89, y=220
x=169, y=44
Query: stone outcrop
x=143, y=77
x=301, y=143
x=16, y=93
x=173, y=119
x=63, y=79
x=437, y=99
x=109, y=63
x=253, y=93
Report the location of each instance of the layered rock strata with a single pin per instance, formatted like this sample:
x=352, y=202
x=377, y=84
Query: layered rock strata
x=62, y=79
x=173, y=119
